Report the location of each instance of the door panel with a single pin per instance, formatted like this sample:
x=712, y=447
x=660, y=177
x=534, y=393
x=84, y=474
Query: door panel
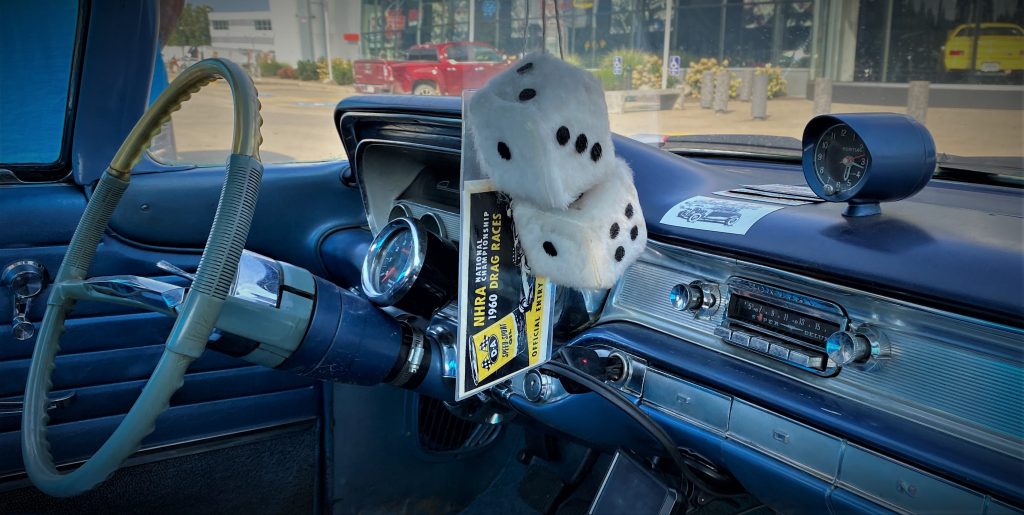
x=298, y=205
x=109, y=351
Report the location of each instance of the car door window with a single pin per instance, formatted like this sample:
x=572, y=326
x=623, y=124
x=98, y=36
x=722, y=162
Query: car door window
x=37, y=46
x=457, y=54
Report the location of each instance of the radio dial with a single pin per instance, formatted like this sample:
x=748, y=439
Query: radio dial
x=864, y=347
x=686, y=297
x=845, y=347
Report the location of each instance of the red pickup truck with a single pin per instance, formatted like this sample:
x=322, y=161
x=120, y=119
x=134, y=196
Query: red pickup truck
x=433, y=69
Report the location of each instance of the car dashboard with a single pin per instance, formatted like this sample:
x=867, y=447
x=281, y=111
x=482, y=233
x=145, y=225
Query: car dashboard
x=723, y=336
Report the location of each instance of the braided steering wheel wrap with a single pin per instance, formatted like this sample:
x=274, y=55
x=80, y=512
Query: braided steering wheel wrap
x=196, y=316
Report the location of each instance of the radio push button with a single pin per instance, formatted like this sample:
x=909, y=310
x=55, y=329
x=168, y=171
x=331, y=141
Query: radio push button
x=760, y=344
x=779, y=351
x=806, y=359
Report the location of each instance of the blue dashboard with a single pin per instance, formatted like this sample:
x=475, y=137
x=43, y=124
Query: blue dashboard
x=936, y=427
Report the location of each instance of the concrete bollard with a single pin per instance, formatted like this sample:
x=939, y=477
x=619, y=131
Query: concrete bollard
x=746, y=84
x=707, y=89
x=721, y=100
x=759, y=97
x=822, y=96
x=917, y=99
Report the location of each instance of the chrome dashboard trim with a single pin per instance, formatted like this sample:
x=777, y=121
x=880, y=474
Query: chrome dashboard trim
x=830, y=458
x=372, y=216
x=983, y=403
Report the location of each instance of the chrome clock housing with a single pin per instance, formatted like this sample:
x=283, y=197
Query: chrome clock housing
x=867, y=158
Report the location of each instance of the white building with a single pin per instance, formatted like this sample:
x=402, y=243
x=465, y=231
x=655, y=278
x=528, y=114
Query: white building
x=290, y=30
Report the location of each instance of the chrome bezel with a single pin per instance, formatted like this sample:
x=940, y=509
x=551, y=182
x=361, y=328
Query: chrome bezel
x=436, y=220
x=418, y=255
x=824, y=184
x=404, y=209
x=800, y=303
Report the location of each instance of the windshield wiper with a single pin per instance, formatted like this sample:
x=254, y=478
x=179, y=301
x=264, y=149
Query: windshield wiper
x=732, y=145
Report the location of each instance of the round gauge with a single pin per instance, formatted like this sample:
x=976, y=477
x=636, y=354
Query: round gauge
x=432, y=223
x=399, y=211
x=394, y=261
x=841, y=160
x=864, y=159
x=410, y=268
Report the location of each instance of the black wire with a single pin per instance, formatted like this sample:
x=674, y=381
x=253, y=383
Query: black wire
x=633, y=411
x=629, y=409
x=558, y=25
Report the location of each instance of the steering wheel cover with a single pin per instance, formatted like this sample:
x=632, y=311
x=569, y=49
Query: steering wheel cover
x=197, y=315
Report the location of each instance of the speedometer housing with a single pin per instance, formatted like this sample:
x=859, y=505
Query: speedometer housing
x=902, y=159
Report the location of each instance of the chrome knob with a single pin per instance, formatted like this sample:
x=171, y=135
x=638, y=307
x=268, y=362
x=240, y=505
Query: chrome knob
x=686, y=297
x=845, y=347
x=24, y=278
x=537, y=387
x=22, y=329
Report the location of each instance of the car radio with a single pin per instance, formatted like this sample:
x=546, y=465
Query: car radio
x=785, y=325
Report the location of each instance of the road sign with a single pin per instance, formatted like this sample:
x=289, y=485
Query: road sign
x=617, y=65
x=490, y=8
x=675, y=66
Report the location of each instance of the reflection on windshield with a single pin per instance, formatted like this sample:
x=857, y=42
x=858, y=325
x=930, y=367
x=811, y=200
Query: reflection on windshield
x=671, y=69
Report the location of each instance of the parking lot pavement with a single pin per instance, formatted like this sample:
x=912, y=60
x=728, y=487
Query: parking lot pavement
x=298, y=123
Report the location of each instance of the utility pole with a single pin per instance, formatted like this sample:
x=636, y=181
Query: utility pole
x=472, y=20
x=664, y=51
x=327, y=40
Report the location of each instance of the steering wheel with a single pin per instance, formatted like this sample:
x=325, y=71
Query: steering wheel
x=196, y=316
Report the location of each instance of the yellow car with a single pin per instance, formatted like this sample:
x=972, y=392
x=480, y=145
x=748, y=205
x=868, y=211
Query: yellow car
x=1000, y=48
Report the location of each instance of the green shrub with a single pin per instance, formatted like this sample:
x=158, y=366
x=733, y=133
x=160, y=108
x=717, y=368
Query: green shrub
x=269, y=67
x=306, y=70
x=646, y=68
x=286, y=72
x=343, y=73
x=710, y=64
x=776, y=84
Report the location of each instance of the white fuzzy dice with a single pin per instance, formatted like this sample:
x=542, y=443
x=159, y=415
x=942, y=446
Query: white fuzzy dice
x=590, y=244
x=541, y=131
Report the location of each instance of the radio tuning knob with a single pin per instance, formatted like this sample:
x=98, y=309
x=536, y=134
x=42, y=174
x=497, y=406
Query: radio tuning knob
x=844, y=347
x=686, y=297
x=865, y=347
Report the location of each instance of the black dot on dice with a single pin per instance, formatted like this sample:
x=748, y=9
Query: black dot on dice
x=629, y=208
x=524, y=68
x=595, y=152
x=581, y=143
x=614, y=231
x=619, y=254
x=503, y=151
x=550, y=249
x=634, y=232
x=527, y=94
x=562, y=135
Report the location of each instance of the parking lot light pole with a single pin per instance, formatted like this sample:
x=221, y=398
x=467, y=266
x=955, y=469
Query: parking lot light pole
x=664, y=50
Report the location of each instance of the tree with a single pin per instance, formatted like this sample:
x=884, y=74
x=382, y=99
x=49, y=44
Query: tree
x=193, y=27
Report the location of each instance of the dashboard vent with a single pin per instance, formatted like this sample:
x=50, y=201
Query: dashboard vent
x=442, y=432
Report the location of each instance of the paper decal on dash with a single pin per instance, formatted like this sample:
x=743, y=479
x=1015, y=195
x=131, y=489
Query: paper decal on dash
x=718, y=215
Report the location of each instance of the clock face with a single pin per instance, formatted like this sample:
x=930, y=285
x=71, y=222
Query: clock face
x=841, y=160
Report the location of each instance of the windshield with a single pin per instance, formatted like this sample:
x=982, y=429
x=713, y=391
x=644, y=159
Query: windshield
x=716, y=76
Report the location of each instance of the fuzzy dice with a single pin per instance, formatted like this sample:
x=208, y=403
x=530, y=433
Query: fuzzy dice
x=590, y=244
x=541, y=131
x=542, y=135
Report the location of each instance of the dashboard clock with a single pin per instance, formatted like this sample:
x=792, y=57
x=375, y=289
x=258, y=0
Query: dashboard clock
x=867, y=158
x=410, y=268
